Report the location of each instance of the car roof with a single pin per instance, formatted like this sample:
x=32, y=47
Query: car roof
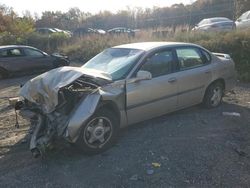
x=217, y=18
x=146, y=46
x=16, y=46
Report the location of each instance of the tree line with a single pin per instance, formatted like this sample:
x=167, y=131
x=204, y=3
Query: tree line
x=177, y=14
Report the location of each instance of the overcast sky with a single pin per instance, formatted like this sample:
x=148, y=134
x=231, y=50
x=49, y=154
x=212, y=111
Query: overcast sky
x=92, y=6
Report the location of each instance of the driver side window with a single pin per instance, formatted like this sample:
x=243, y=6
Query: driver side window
x=32, y=53
x=159, y=63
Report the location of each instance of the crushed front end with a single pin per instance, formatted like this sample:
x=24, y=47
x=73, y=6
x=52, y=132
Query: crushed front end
x=50, y=117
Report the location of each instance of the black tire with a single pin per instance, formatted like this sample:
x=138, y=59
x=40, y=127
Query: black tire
x=211, y=99
x=108, y=120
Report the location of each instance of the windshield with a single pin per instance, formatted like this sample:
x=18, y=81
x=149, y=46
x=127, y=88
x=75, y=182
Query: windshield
x=212, y=20
x=203, y=22
x=117, y=62
x=243, y=16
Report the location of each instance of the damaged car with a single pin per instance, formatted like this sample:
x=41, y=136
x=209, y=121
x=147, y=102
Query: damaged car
x=121, y=86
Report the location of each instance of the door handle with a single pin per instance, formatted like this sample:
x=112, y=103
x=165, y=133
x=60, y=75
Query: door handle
x=171, y=80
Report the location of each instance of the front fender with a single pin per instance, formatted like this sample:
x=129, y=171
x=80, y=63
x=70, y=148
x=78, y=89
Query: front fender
x=85, y=109
x=88, y=105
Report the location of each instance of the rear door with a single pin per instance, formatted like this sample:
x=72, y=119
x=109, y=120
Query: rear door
x=193, y=76
x=13, y=59
x=150, y=98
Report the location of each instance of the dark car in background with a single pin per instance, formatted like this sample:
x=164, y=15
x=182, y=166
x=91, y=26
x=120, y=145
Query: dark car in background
x=45, y=31
x=122, y=30
x=82, y=31
x=215, y=24
x=19, y=59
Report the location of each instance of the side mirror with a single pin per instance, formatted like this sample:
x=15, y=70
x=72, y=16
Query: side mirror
x=238, y=20
x=141, y=75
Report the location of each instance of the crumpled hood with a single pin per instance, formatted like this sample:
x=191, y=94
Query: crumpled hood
x=43, y=89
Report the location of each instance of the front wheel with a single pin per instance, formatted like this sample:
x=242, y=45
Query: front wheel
x=213, y=95
x=99, y=133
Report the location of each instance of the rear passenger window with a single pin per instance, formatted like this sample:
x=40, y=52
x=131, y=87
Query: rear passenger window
x=15, y=52
x=4, y=53
x=189, y=58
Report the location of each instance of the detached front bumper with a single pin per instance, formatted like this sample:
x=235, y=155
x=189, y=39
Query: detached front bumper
x=44, y=127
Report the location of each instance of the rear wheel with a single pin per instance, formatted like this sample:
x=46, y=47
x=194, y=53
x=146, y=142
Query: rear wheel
x=213, y=95
x=99, y=133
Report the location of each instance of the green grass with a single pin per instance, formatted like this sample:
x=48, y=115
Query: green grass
x=236, y=43
x=81, y=49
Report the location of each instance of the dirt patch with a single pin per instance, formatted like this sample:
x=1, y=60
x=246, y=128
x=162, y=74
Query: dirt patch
x=192, y=147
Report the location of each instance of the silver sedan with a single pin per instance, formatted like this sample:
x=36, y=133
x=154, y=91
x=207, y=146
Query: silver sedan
x=120, y=86
x=215, y=24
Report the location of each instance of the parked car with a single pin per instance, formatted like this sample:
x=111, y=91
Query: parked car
x=121, y=86
x=122, y=30
x=19, y=59
x=86, y=31
x=67, y=33
x=215, y=24
x=96, y=31
x=243, y=21
x=45, y=31
x=48, y=31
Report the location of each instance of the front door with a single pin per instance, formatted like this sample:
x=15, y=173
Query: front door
x=150, y=98
x=36, y=60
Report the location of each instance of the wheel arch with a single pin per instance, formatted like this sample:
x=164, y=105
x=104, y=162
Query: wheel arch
x=220, y=80
x=110, y=105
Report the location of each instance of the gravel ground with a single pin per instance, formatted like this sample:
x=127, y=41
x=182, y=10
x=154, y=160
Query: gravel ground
x=195, y=147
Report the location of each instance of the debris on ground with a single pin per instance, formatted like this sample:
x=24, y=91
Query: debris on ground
x=237, y=148
x=236, y=114
x=13, y=101
x=150, y=171
x=156, y=165
x=134, y=177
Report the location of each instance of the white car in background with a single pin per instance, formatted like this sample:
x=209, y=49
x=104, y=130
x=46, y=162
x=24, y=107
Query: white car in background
x=243, y=21
x=215, y=24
